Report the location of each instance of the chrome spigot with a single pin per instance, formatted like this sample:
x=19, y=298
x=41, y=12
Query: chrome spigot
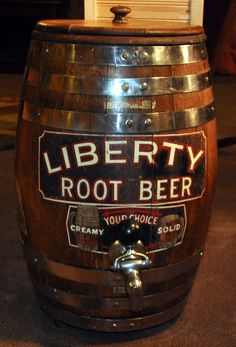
x=127, y=254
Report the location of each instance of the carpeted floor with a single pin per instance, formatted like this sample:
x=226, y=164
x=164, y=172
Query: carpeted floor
x=9, y=99
x=209, y=319
x=8, y=115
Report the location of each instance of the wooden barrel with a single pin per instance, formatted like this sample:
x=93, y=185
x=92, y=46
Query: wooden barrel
x=115, y=168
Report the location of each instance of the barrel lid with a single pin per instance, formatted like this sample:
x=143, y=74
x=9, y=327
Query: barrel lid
x=107, y=27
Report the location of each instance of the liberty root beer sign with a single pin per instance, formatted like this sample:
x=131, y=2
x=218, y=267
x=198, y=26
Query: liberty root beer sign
x=108, y=178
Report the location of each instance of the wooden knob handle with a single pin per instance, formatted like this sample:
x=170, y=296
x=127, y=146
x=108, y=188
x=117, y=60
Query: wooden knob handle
x=120, y=13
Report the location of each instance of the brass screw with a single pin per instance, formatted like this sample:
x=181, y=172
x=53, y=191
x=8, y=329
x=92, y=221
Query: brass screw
x=125, y=55
x=148, y=122
x=129, y=122
x=125, y=87
x=144, y=56
x=144, y=86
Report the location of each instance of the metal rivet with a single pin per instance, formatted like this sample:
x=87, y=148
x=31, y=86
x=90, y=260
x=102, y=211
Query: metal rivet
x=54, y=289
x=144, y=56
x=125, y=86
x=212, y=108
x=131, y=325
x=129, y=122
x=201, y=253
x=207, y=78
x=114, y=325
x=148, y=122
x=35, y=259
x=124, y=55
x=144, y=86
x=46, y=50
x=116, y=304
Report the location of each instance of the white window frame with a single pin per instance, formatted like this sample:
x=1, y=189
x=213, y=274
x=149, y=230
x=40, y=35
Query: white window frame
x=196, y=11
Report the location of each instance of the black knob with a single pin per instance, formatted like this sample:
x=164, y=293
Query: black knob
x=128, y=232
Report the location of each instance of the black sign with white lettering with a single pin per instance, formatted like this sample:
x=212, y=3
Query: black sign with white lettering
x=121, y=169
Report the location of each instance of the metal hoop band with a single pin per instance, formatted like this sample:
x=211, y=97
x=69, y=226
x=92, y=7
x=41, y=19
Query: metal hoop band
x=111, y=279
x=112, y=307
x=118, y=122
x=119, y=55
x=112, y=325
x=118, y=87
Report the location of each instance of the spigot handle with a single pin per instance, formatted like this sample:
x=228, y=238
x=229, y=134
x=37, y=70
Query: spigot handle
x=128, y=255
x=133, y=282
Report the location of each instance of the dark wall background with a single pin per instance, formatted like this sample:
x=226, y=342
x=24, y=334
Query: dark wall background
x=18, y=18
x=17, y=21
x=214, y=15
